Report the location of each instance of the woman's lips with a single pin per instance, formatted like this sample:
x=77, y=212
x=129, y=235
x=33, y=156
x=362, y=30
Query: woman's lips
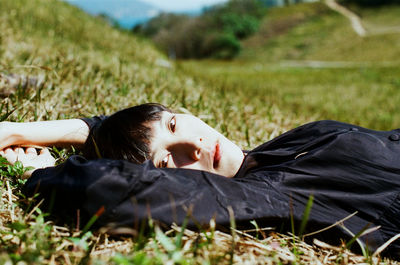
x=217, y=155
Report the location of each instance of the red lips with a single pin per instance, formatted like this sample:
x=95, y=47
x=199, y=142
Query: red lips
x=217, y=155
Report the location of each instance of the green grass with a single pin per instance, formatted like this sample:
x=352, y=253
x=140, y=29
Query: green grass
x=309, y=64
x=314, y=32
x=367, y=96
x=90, y=68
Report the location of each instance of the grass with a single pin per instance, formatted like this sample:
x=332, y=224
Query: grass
x=355, y=95
x=90, y=68
x=314, y=32
x=303, y=64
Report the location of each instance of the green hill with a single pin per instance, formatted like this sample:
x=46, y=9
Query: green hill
x=89, y=66
x=315, y=32
x=307, y=62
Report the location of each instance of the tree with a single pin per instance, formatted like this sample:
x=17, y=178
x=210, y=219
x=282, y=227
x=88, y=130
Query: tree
x=215, y=33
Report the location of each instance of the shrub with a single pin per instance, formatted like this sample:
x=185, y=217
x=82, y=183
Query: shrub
x=221, y=46
x=215, y=33
x=241, y=26
x=161, y=22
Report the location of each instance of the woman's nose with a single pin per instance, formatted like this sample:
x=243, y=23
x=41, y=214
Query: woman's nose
x=196, y=153
x=194, y=148
x=190, y=148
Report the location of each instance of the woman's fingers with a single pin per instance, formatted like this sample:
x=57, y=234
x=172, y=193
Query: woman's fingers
x=31, y=150
x=10, y=155
x=19, y=151
x=18, y=154
x=44, y=151
x=30, y=153
x=29, y=158
x=9, y=150
x=48, y=158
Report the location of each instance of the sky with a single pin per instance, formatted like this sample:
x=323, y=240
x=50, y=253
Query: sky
x=164, y=5
x=178, y=5
x=129, y=13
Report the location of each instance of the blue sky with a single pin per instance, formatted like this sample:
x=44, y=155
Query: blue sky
x=178, y=5
x=129, y=13
x=164, y=5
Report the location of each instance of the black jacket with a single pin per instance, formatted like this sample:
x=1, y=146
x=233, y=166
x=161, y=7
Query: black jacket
x=345, y=168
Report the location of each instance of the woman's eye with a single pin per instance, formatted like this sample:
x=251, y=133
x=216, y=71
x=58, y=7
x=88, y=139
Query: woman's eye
x=164, y=162
x=172, y=124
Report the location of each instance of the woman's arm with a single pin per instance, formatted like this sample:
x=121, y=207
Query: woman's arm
x=44, y=133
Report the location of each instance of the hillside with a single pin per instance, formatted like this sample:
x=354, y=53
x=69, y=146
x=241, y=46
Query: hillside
x=307, y=62
x=315, y=32
x=89, y=68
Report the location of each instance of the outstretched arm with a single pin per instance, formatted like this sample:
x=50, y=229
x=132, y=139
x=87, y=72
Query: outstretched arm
x=44, y=133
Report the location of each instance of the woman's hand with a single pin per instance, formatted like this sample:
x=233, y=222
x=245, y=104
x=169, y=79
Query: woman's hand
x=29, y=158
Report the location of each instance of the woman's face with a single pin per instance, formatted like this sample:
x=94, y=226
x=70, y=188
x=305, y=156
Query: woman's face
x=184, y=141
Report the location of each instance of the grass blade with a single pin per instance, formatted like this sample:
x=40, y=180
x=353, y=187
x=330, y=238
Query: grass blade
x=306, y=215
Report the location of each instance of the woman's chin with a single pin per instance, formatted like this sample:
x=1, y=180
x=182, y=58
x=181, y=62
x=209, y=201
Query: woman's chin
x=231, y=159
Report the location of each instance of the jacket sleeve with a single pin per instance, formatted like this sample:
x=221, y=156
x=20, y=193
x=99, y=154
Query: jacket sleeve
x=132, y=193
x=94, y=122
x=346, y=168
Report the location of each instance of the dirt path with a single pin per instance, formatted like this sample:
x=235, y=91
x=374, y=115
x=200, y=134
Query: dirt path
x=335, y=64
x=354, y=19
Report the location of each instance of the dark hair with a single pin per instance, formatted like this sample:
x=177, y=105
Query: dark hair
x=125, y=134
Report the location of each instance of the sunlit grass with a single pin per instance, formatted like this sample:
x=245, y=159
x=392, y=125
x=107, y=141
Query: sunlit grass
x=314, y=32
x=367, y=96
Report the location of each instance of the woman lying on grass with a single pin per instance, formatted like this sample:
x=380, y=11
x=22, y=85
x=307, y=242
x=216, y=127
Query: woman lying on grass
x=182, y=167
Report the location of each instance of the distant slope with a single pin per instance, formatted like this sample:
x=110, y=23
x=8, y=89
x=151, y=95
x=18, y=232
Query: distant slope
x=89, y=66
x=314, y=32
x=56, y=21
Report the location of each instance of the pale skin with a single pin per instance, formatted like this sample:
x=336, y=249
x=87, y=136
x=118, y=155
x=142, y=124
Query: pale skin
x=14, y=136
x=185, y=141
x=179, y=141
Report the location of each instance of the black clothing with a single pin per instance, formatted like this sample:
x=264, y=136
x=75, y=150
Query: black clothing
x=345, y=167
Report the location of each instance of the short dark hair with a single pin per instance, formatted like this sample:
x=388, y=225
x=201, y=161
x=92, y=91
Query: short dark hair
x=124, y=134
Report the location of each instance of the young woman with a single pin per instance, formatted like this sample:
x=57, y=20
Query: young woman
x=352, y=174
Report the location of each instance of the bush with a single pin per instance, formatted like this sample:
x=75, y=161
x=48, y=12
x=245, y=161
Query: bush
x=215, y=33
x=182, y=40
x=254, y=8
x=241, y=26
x=161, y=22
x=221, y=46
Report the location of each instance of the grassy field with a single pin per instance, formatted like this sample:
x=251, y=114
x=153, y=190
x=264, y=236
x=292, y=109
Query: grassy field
x=276, y=84
x=308, y=63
